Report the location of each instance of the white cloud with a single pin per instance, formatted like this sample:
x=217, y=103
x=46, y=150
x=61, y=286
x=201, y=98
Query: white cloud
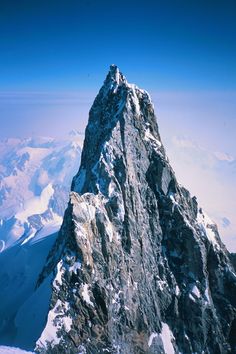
x=211, y=178
x=222, y=156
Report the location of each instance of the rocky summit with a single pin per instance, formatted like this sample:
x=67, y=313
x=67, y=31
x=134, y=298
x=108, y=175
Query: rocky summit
x=138, y=266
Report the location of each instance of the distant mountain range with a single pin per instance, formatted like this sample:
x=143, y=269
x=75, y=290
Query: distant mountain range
x=35, y=178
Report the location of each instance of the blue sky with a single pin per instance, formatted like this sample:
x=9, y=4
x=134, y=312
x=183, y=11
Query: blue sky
x=59, y=53
x=68, y=45
x=54, y=56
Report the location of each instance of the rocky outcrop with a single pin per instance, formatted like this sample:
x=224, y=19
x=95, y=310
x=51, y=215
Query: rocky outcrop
x=138, y=266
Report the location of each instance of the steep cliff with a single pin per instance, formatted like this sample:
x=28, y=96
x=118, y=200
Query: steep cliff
x=138, y=266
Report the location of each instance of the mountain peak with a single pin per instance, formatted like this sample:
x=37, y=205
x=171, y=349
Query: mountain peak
x=139, y=267
x=114, y=79
x=120, y=109
x=114, y=71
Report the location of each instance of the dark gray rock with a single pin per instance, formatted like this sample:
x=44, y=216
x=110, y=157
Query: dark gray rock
x=139, y=268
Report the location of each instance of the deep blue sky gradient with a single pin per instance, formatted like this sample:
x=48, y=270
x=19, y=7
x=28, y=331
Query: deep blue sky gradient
x=54, y=56
x=69, y=44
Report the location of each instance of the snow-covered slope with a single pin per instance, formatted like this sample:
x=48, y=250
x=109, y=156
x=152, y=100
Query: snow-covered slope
x=22, y=309
x=12, y=350
x=35, y=177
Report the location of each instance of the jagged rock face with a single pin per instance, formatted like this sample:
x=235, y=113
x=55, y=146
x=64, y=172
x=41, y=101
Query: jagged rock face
x=139, y=268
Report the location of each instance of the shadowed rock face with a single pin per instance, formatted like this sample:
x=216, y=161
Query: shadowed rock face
x=138, y=267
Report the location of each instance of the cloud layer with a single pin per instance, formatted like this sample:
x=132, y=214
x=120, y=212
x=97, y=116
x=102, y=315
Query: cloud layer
x=210, y=175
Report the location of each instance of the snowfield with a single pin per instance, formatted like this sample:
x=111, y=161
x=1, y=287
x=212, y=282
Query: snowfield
x=35, y=179
x=11, y=350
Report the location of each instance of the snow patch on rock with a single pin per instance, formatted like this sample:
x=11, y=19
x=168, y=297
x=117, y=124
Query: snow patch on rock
x=57, y=319
x=85, y=294
x=152, y=336
x=207, y=226
x=167, y=339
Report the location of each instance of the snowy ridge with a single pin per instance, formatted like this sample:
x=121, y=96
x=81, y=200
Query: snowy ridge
x=208, y=227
